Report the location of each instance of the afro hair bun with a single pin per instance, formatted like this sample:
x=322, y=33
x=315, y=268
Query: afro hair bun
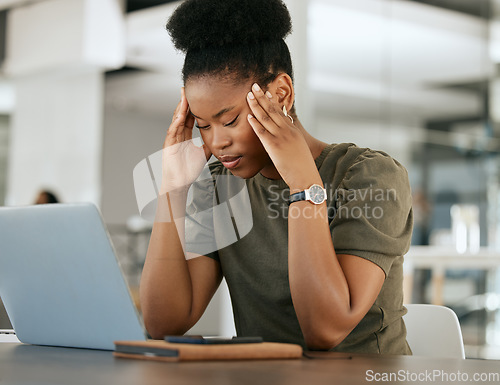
x=198, y=24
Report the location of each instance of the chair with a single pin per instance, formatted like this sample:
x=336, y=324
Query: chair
x=433, y=331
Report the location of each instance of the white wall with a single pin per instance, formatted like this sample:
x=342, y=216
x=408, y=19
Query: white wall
x=57, y=51
x=55, y=138
x=63, y=33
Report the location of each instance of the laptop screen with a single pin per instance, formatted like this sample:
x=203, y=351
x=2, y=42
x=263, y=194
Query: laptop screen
x=60, y=281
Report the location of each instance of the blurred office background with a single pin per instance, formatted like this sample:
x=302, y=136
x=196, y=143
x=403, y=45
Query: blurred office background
x=88, y=87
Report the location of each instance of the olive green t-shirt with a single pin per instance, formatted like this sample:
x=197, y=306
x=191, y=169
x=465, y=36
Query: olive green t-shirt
x=370, y=216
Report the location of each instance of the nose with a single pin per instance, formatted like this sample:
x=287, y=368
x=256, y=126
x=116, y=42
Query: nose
x=220, y=138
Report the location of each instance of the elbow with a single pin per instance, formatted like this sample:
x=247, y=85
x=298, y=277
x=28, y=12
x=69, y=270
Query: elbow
x=156, y=334
x=323, y=342
x=324, y=339
x=159, y=331
x=155, y=330
x=159, y=323
x=326, y=334
x=159, y=328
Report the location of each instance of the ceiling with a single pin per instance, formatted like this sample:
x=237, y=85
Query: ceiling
x=135, y=5
x=480, y=8
x=369, y=59
x=410, y=61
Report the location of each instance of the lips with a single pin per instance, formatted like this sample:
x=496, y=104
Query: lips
x=230, y=161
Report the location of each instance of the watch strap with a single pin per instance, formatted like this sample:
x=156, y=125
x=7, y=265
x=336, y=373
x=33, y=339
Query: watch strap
x=300, y=196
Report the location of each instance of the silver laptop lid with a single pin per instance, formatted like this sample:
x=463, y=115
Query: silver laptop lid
x=60, y=281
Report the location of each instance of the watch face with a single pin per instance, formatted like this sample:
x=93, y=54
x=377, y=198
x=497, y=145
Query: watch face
x=317, y=194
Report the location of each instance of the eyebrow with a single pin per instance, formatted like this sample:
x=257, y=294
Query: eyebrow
x=218, y=114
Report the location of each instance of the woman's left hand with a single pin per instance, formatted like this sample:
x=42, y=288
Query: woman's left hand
x=285, y=144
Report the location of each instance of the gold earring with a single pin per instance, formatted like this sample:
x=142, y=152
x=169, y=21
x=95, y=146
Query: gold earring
x=286, y=114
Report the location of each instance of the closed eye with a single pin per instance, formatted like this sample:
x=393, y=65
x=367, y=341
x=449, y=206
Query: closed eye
x=232, y=122
x=201, y=127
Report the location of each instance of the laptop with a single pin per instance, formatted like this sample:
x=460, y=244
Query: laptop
x=60, y=280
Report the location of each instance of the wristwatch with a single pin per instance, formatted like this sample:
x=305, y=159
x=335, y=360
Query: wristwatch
x=315, y=194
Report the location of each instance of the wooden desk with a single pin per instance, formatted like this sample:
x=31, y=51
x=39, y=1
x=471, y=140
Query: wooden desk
x=25, y=364
x=438, y=259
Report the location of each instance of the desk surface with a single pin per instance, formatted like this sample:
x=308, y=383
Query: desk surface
x=25, y=364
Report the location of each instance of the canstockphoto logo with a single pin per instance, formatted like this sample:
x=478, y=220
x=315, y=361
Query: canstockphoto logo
x=217, y=212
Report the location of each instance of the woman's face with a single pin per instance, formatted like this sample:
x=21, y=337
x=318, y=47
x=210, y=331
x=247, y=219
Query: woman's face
x=221, y=109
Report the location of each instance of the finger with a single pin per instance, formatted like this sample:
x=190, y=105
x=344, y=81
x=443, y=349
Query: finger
x=262, y=119
x=184, y=102
x=171, y=137
x=177, y=111
x=266, y=110
x=180, y=117
x=175, y=128
x=182, y=109
x=262, y=133
x=189, y=123
x=188, y=127
x=175, y=133
x=271, y=106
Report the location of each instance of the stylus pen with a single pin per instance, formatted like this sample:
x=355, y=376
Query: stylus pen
x=212, y=341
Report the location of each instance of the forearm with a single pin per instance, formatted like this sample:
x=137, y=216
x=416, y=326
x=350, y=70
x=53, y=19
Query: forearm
x=166, y=289
x=331, y=293
x=318, y=286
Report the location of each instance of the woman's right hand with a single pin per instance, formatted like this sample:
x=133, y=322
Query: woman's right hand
x=182, y=160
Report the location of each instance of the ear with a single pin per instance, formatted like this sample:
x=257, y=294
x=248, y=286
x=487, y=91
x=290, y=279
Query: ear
x=282, y=88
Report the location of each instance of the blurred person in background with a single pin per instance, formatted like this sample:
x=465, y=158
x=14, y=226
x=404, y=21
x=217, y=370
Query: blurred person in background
x=46, y=196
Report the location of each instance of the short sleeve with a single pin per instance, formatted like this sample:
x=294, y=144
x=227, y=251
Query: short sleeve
x=372, y=210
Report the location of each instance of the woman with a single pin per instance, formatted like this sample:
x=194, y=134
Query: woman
x=324, y=272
